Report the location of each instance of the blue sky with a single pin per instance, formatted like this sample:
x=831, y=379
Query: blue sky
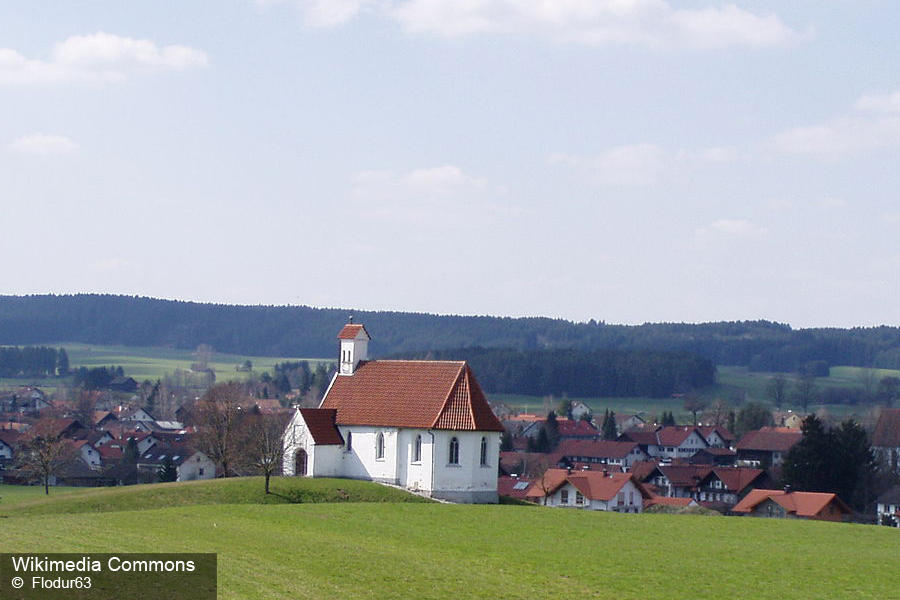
x=623, y=160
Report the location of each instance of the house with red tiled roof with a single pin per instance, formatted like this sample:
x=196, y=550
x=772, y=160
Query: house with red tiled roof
x=590, y=490
x=668, y=442
x=599, y=452
x=767, y=446
x=886, y=439
x=424, y=425
x=9, y=439
x=782, y=504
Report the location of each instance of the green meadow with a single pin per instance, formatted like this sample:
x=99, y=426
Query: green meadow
x=154, y=363
x=385, y=549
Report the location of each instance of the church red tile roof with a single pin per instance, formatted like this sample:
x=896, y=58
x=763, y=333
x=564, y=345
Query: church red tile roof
x=412, y=393
x=351, y=330
x=320, y=422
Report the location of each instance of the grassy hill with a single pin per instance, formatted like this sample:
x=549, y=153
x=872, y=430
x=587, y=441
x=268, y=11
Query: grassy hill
x=242, y=490
x=428, y=550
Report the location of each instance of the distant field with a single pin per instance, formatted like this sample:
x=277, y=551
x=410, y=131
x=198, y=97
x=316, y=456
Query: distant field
x=431, y=551
x=154, y=363
x=733, y=384
x=649, y=406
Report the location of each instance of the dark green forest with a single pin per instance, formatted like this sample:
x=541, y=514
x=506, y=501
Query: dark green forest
x=310, y=332
x=591, y=373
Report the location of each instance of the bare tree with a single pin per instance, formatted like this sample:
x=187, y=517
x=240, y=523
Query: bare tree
x=718, y=412
x=694, y=404
x=542, y=478
x=219, y=417
x=265, y=442
x=805, y=390
x=42, y=457
x=777, y=389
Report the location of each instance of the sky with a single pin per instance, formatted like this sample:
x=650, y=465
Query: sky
x=627, y=161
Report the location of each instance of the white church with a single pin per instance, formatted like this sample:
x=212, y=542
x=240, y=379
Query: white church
x=424, y=425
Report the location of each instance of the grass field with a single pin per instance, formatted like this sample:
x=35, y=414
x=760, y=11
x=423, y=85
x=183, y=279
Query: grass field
x=154, y=363
x=423, y=551
x=243, y=490
x=733, y=384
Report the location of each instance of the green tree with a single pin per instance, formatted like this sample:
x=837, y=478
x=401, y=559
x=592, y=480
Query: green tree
x=167, y=472
x=608, y=428
x=808, y=464
x=506, y=442
x=62, y=362
x=839, y=460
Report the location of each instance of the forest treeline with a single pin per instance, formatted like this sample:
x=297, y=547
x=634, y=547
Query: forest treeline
x=303, y=331
x=590, y=373
x=33, y=361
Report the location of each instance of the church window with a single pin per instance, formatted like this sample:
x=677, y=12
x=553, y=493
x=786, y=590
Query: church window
x=454, y=451
x=417, y=449
x=484, y=452
x=349, y=441
x=379, y=446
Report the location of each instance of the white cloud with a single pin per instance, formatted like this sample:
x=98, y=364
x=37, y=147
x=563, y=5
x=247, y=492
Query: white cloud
x=325, y=13
x=888, y=103
x=733, y=228
x=433, y=182
x=642, y=164
x=96, y=58
x=653, y=23
x=43, y=144
x=439, y=197
x=875, y=125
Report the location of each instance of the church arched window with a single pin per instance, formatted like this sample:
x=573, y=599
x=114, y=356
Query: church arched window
x=417, y=449
x=454, y=451
x=484, y=451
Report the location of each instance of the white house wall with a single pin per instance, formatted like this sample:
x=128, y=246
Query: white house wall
x=198, y=466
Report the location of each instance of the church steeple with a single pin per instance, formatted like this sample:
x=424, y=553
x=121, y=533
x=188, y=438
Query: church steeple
x=354, y=347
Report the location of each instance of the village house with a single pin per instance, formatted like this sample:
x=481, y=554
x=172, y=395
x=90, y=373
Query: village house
x=886, y=439
x=780, y=504
x=888, y=507
x=423, y=425
x=8, y=440
x=767, y=446
x=189, y=464
x=669, y=442
x=597, y=452
x=719, y=487
x=787, y=419
x=716, y=436
x=589, y=490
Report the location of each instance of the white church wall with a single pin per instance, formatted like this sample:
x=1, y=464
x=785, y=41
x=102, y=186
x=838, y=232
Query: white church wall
x=469, y=480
